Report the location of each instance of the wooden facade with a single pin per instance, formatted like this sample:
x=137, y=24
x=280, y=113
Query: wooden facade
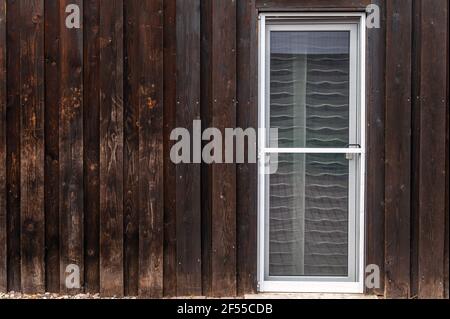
x=85, y=120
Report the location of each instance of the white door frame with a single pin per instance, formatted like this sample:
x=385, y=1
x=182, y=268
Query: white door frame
x=315, y=21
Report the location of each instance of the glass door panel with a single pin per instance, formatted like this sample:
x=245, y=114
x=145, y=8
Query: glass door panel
x=310, y=88
x=308, y=203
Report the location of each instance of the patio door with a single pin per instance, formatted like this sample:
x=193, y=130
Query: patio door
x=311, y=163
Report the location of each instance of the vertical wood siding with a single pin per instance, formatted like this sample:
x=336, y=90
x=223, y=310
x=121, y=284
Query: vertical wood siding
x=85, y=122
x=13, y=145
x=32, y=219
x=246, y=175
x=187, y=176
x=131, y=149
x=170, y=180
x=91, y=137
x=51, y=168
x=220, y=111
x=398, y=147
x=3, y=248
x=375, y=198
x=111, y=147
x=70, y=144
x=433, y=106
x=151, y=190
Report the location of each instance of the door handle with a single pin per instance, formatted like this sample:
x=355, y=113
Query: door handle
x=351, y=156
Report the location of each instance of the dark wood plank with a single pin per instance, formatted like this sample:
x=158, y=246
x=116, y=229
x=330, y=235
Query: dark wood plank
x=91, y=145
x=376, y=47
x=3, y=247
x=13, y=145
x=111, y=147
x=398, y=148
x=131, y=148
x=51, y=181
x=151, y=188
x=205, y=109
x=188, y=219
x=433, y=90
x=223, y=188
x=71, y=147
x=247, y=117
x=415, y=145
x=221, y=280
x=286, y=5
x=447, y=195
x=170, y=182
x=32, y=145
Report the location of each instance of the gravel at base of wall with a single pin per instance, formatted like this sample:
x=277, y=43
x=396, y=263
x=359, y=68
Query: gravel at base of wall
x=16, y=295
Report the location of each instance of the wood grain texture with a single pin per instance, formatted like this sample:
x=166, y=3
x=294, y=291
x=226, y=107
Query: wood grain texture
x=289, y=5
x=223, y=188
x=170, y=184
x=220, y=35
x=52, y=107
x=398, y=149
x=13, y=111
x=3, y=221
x=131, y=148
x=447, y=178
x=433, y=108
x=86, y=177
x=111, y=148
x=246, y=176
x=415, y=145
x=205, y=110
x=71, y=147
x=188, y=213
x=32, y=145
x=151, y=187
x=376, y=48
x=91, y=145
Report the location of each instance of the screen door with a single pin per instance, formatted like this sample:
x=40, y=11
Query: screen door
x=311, y=154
